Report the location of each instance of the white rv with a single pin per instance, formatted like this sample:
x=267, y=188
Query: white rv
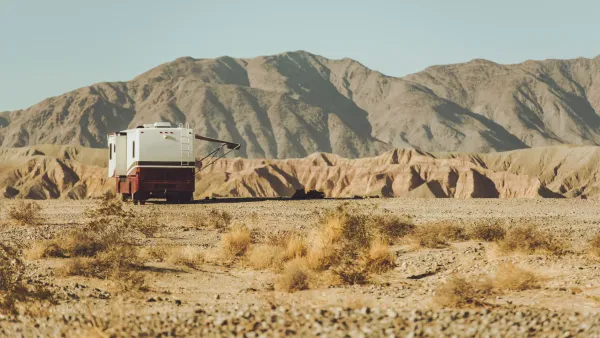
x=155, y=161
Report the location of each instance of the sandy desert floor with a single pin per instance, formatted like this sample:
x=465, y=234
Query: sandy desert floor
x=231, y=298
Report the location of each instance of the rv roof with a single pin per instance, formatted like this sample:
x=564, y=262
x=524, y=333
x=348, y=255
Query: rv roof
x=158, y=125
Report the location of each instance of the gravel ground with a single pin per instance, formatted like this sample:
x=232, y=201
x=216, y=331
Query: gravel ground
x=336, y=322
x=219, y=300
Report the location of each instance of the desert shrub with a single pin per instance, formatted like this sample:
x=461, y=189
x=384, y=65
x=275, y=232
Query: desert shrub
x=514, y=278
x=340, y=235
x=216, y=219
x=295, y=276
x=235, y=242
x=379, y=258
x=459, y=292
x=146, y=225
x=439, y=234
x=488, y=232
x=189, y=256
x=344, y=247
x=157, y=252
x=118, y=263
x=46, y=248
x=594, y=246
x=527, y=239
x=462, y=292
x=12, y=267
x=12, y=288
x=295, y=246
x=278, y=248
x=111, y=214
x=350, y=245
x=350, y=273
x=390, y=228
x=265, y=256
x=107, y=264
x=25, y=213
x=105, y=247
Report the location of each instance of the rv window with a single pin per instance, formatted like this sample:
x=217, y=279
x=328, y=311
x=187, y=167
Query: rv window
x=110, y=152
x=133, y=151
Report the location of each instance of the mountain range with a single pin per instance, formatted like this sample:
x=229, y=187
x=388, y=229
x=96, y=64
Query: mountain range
x=294, y=104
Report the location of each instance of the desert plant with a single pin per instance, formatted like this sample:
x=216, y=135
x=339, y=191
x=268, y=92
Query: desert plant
x=235, y=242
x=594, y=246
x=439, y=234
x=104, y=248
x=295, y=246
x=12, y=288
x=216, y=219
x=390, y=228
x=25, y=213
x=527, y=239
x=110, y=214
x=513, y=278
x=118, y=263
x=295, y=276
x=458, y=292
x=351, y=273
x=379, y=258
x=488, y=232
x=189, y=256
x=12, y=267
x=265, y=256
x=344, y=245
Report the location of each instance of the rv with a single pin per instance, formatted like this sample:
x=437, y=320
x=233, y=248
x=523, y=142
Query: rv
x=156, y=161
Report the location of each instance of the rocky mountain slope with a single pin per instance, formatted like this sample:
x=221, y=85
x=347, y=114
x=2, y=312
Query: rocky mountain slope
x=74, y=172
x=294, y=104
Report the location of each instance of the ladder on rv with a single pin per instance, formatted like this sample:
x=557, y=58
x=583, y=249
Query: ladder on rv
x=185, y=142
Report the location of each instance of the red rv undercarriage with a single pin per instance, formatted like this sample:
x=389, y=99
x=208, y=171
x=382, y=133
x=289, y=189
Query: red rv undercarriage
x=175, y=184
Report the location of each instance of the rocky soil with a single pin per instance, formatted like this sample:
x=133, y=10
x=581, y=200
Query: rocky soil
x=234, y=299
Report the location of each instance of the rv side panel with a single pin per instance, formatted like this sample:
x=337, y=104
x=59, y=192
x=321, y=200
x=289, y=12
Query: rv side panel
x=120, y=153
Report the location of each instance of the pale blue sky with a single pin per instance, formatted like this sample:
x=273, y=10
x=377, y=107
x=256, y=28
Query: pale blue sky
x=50, y=47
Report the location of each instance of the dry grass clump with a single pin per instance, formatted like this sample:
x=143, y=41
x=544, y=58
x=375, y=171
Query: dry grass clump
x=105, y=247
x=25, y=213
x=350, y=246
x=277, y=249
x=108, y=226
x=189, y=256
x=379, y=258
x=295, y=246
x=235, y=242
x=116, y=262
x=13, y=291
x=459, y=292
x=594, y=246
x=295, y=276
x=390, y=228
x=345, y=247
x=528, y=240
x=513, y=278
x=438, y=235
x=462, y=292
x=216, y=219
x=349, y=273
x=489, y=232
x=265, y=256
x=12, y=267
